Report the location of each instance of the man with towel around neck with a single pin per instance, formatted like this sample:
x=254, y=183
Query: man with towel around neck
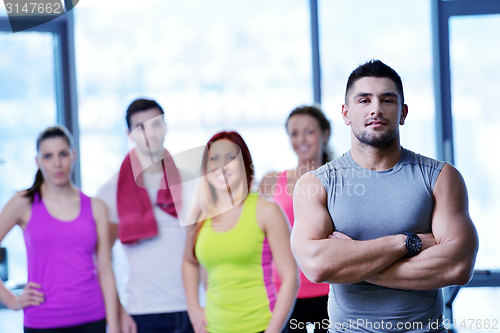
x=143, y=215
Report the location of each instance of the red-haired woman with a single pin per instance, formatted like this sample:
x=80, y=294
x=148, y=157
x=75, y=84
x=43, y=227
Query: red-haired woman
x=309, y=132
x=239, y=234
x=71, y=286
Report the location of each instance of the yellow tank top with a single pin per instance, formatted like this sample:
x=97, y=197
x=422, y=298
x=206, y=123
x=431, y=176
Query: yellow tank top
x=240, y=293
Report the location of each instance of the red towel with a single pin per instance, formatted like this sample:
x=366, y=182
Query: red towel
x=135, y=210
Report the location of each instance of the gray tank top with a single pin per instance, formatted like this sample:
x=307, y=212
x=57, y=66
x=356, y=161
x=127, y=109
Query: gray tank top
x=366, y=204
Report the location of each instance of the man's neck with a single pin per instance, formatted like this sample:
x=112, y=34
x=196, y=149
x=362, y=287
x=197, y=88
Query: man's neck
x=145, y=159
x=376, y=158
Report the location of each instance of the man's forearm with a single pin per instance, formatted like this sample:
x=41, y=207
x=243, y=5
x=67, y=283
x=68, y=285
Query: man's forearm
x=347, y=260
x=436, y=267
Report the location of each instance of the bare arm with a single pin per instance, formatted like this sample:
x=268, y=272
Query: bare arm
x=127, y=323
x=191, y=279
x=334, y=260
x=277, y=232
x=107, y=193
x=11, y=215
x=451, y=261
x=113, y=234
x=106, y=276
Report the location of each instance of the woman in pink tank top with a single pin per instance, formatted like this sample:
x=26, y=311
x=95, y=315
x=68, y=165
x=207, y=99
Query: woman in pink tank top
x=309, y=132
x=71, y=286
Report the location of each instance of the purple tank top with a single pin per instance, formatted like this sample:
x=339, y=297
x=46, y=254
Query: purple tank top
x=61, y=258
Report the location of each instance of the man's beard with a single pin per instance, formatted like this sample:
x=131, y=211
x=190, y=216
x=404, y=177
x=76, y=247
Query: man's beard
x=380, y=141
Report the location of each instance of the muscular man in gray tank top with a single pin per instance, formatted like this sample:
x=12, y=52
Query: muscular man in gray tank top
x=386, y=227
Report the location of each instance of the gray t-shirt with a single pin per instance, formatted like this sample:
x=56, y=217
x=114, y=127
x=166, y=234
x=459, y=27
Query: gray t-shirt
x=366, y=204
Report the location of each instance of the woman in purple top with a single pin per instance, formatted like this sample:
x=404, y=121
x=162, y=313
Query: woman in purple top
x=71, y=286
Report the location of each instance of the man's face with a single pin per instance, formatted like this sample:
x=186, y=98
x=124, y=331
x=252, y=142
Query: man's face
x=154, y=128
x=374, y=111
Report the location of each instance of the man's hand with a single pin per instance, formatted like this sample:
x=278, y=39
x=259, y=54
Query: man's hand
x=127, y=323
x=428, y=241
x=198, y=320
x=338, y=235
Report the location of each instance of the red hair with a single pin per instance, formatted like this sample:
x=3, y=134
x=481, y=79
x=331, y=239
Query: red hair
x=235, y=138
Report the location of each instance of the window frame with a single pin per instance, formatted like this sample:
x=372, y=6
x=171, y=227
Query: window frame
x=441, y=12
x=62, y=29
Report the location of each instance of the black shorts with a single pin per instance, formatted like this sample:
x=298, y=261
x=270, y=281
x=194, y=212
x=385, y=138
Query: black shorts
x=313, y=310
x=93, y=327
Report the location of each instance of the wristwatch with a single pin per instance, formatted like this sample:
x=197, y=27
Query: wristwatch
x=412, y=243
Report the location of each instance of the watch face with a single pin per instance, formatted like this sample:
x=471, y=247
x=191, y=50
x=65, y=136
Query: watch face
x=413, y=244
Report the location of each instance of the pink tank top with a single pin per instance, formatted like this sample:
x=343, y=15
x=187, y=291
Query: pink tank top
x=283, y=197
x=61, y=259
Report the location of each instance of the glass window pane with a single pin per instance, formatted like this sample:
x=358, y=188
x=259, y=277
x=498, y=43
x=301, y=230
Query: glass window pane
x=475, y=309
x=212, y=65
x=353, y=32
x=475, y=74
x=27, y=106
x=224, y=64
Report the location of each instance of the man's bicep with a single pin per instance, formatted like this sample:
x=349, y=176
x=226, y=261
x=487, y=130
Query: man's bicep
x=451, y=220
x=312, y=220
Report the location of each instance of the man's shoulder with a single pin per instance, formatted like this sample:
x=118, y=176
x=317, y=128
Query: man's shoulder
x=340, y=162
x=422, y=160
x=108, y=187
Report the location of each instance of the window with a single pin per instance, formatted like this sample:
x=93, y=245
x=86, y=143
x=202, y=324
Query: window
x=230, y=65
x=36, y=91
x=218, y=64
x=475, y=76
x=27, y=106
x=353, y=32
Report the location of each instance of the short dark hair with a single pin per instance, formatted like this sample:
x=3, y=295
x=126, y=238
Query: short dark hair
x=140, y=105
x=375, y=68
